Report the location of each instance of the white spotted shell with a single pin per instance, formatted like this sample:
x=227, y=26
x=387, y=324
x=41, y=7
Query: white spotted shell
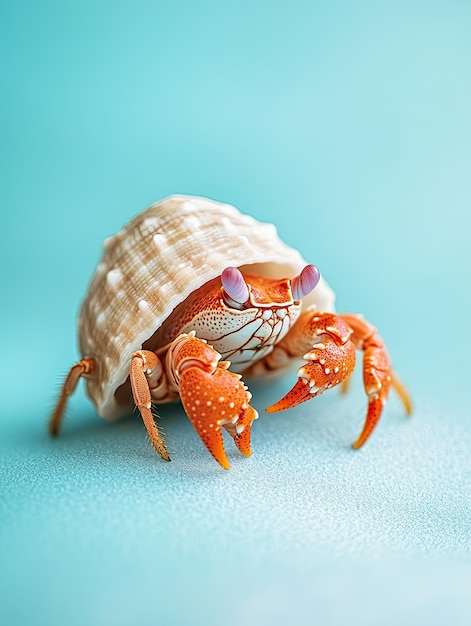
x=153, y=263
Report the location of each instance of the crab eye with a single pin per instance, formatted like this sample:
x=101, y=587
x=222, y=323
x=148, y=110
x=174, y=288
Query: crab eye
x=306, y=282
x=235, y=290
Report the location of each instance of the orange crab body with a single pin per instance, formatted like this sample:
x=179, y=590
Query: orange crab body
x=190, y=296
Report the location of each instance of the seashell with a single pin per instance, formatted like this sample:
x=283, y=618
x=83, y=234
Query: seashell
x=153, y=264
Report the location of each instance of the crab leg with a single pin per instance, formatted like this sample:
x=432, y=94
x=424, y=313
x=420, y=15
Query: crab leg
x=82, y=368
x=377, y=373
x=212, y=396
x=328, y=342
x=145, y=375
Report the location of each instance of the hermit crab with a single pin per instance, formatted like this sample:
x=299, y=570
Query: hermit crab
x=190, y=295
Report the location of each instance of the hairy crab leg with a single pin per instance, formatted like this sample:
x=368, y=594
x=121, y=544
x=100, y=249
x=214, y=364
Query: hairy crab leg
x=145, y=373
x=213, y=397
x=84, y=367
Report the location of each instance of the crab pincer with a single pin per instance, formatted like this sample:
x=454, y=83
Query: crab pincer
x=329, y=356
x=330, y=342
x=213, y=397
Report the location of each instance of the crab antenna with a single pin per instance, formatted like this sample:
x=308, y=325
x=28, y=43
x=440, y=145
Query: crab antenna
x=306, y=282
x=234, y=285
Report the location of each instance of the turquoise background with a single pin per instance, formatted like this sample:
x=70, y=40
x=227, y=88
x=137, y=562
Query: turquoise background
x=347, y=124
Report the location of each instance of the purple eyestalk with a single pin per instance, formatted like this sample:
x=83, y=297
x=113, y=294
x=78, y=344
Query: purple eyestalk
x=306, y=282
x=234, y=285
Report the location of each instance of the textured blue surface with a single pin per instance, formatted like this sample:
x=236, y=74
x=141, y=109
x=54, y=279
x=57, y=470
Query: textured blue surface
x=346, y=124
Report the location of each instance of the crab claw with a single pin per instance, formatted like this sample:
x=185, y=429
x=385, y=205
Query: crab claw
x=213, y=397
x=298, y=394
x=331, y=340
x=331, y=361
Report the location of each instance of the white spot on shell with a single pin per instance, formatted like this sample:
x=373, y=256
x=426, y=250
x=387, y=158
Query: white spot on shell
x=151, y=223
x=143, y=306
x=192, y=222
x=159, y=240
x=226, y=223
x=114, y=277
x=187, y=207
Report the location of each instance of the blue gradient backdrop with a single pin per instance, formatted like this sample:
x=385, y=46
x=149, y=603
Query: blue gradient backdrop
x=347, y=124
